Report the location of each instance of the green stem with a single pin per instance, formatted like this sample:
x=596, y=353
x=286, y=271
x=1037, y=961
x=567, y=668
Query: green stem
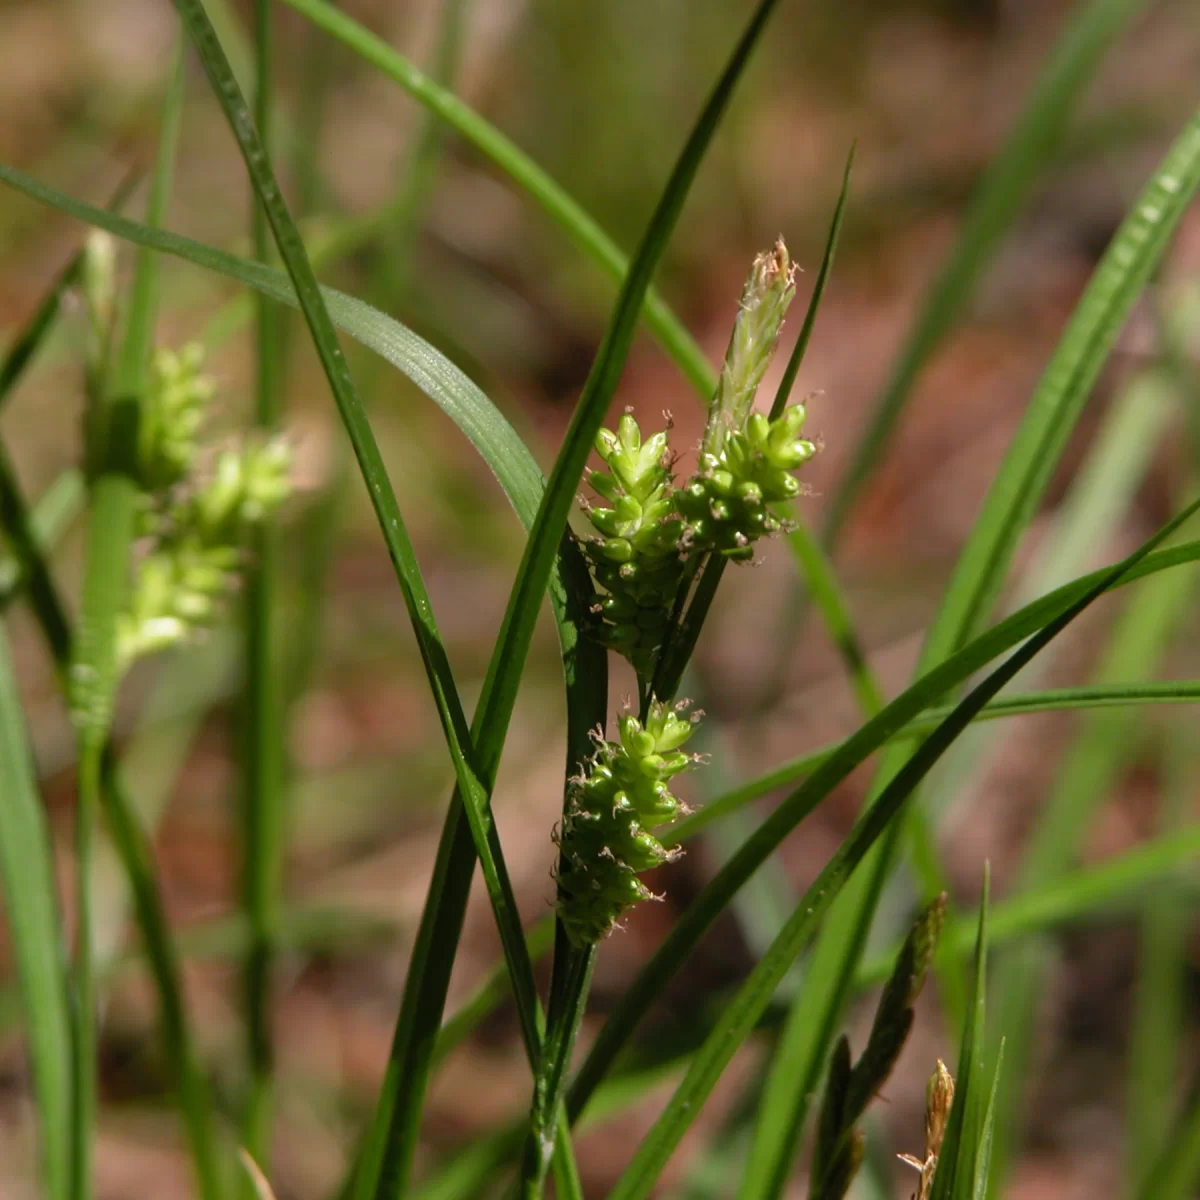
x=568, y=999
x=94, y=676
x=263, y=758
x=84, y=1122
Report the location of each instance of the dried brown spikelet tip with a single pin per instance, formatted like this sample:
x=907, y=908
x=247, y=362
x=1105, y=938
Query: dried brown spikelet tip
x=939, y=1099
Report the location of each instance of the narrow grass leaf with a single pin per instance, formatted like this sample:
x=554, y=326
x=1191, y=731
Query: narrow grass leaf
x=1093, y=761
x=53, y=514
x=717, y=893
x=113, y=507
x=983, y=1160
x=740, y=1016
x=979, y=573
x=35, y=935
x=1158, y=1027
x=955, y=1176
x=480, y=834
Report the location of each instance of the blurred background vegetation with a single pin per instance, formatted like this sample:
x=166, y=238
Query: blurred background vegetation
x=601, y=95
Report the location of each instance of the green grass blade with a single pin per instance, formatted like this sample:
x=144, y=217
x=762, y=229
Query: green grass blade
x=53, y=514
x=1085, y=777
x=1177, y=1168
x=395, y=1128
x=35, y=935
x=1092, y=30
x=955, y=1176
x=740, y=1016
x=134, y=855
x=1089, y=893
x=713, y=898
x=113, y=506
x=137, y=858
x=1063, y=390
x=1159, y=1025
x=983, y=1160
x=1100, y=494
x=509, y=159
x=979, y=573
x=796, y=358
x=264, y=729
x=27, y=341
x=480, y=833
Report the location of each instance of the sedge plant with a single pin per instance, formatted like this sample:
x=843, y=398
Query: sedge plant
x=172, y=526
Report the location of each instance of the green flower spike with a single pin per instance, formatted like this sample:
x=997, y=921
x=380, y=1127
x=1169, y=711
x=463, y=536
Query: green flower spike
x=607, y=836
x=726, y=504
x=746, y=457
x=196, y=558
x=636, y=557
x=770, y=288
x=176, y=404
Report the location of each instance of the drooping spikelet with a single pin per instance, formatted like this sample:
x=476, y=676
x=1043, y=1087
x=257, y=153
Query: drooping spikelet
x=607, y=837
x=636, y=557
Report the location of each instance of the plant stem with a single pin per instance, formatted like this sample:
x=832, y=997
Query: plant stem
x=263, y=754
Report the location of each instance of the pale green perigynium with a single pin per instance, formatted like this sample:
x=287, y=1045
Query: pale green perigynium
x=607, y=836
x=649, y=530
x=636, y=559
x=726, y=503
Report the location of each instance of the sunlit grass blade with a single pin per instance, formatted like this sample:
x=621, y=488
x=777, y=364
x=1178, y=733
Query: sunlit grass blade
x=35, y=936
x=1091, y=765
x=983, y=1158
x=1100, y=494
x=480, y=835
x=740, y=1016
x=1011, y=501
x=1093, y=28
x=394, y=1133
x=713, y=898
x=955, y=1175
